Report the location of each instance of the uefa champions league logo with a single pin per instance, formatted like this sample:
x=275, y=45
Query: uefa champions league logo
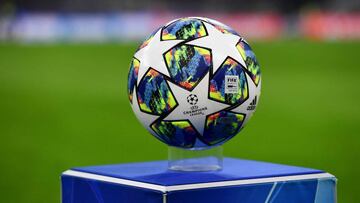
x=194, y=110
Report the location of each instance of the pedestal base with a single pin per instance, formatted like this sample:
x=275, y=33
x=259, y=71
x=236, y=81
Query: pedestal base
x=242, y=181
x=195, y=159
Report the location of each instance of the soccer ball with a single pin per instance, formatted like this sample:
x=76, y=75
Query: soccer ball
x=194, y=83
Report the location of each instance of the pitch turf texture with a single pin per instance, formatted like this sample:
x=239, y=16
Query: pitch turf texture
x=66, y=105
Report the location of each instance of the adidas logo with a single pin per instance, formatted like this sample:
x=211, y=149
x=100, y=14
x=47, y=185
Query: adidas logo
x=252, y=104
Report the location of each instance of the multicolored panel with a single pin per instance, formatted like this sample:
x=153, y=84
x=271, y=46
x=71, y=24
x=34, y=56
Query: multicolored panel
x=184, y=29
x=222, y=126
x=222, y=27
x=132, y=77
x=176, y=133
x=188, y=64
x=217, y=83
x=252, y=64
x=147, y=41
x=154, y=95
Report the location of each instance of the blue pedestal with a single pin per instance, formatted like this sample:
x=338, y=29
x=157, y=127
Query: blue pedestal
x=241, y=181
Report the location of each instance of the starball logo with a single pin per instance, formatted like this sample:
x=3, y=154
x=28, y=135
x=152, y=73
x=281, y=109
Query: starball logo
x=194, y=110
x=192, y=99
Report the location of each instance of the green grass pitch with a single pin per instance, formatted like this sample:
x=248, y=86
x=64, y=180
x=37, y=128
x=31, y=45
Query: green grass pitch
x=66, y=105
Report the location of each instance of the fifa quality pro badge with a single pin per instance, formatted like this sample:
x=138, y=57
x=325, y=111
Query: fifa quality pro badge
x=231, y=84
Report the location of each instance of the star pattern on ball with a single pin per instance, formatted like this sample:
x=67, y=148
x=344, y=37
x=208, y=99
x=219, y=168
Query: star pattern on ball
x=204, y=105
x=221, y=45
x=154, y=60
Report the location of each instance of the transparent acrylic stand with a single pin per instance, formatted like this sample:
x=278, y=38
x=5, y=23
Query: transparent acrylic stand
x=202, y=159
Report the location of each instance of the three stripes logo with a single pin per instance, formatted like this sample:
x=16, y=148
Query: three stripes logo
x=252, y=105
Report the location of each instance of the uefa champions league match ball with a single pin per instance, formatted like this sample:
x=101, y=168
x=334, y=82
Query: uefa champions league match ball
x=194, y=83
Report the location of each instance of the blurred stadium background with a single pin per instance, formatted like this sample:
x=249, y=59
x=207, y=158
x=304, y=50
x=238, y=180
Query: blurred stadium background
x=63, y=72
